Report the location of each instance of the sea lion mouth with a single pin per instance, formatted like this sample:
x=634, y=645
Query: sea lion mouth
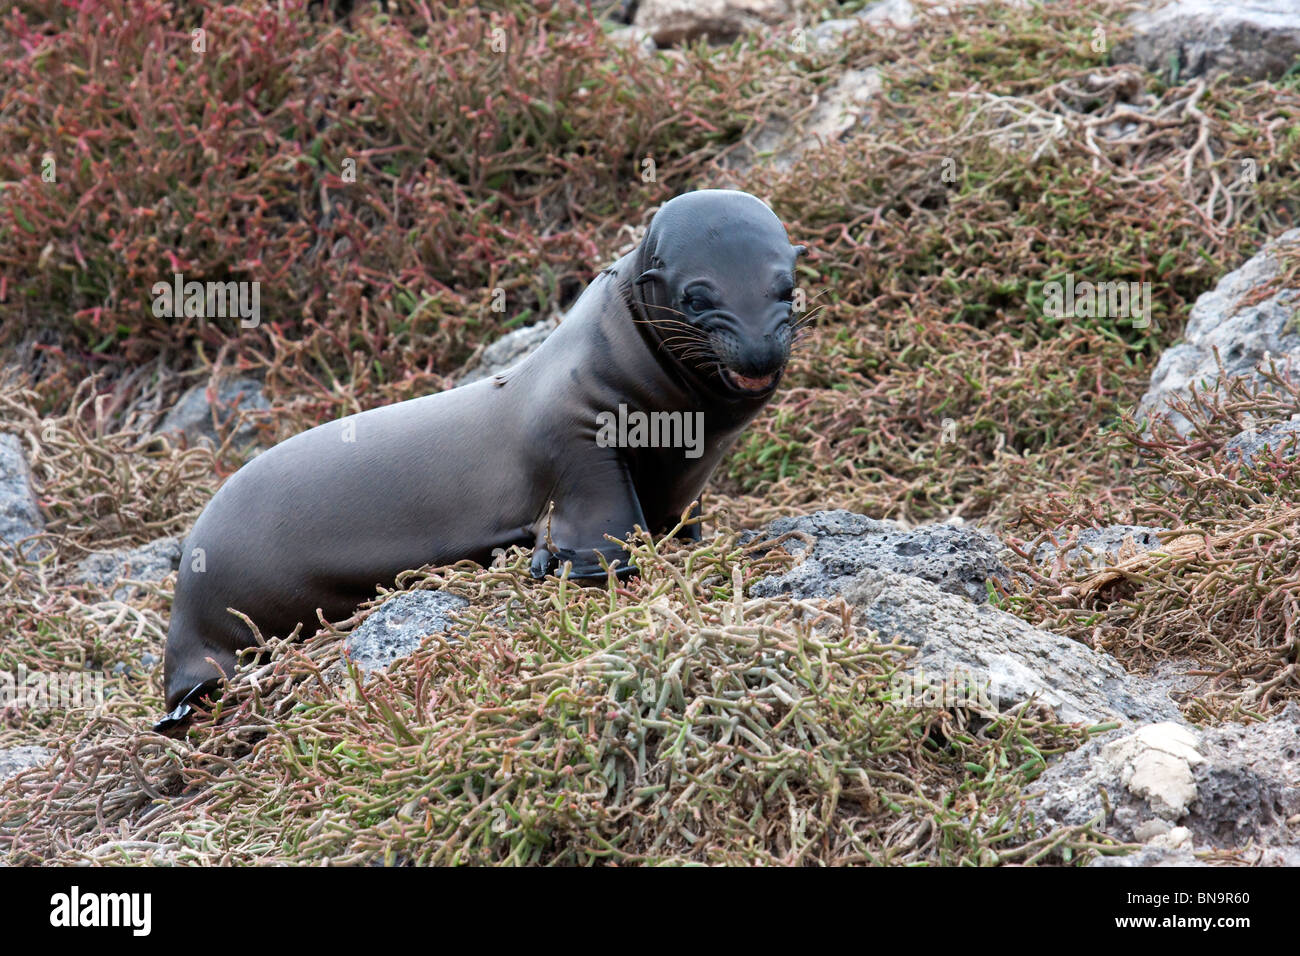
x=750, y=385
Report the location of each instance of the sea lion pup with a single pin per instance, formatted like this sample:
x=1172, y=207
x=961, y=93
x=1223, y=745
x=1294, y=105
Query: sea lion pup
x=697, y=320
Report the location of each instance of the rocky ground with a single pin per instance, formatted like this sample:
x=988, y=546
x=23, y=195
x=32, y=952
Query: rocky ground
x=985, y=585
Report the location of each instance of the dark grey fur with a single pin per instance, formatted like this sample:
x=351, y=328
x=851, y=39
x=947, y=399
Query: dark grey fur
x=317, y=522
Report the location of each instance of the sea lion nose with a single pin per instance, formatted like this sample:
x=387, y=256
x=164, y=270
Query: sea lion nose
x=780, y=334
x=770, y=353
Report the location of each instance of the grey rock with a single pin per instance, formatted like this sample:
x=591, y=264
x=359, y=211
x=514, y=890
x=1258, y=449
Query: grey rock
x=509, y=350
x=883, y=15
x=1250, y=446
x=1249, y=785
x=17, y=759
x=1244, y=782
x=1245, y=335
x=1279, y=856
x=899, y=13
x=999, y=651
x=1094, y=546
x=1251, y=39
x=721, y=21
x=149, y=562
x=1150, y=856
x=780, y=142
x=829, y=34
x=399, y=625
x=20, y=516
x=191, y=416
x=959, y=560
x=634, y=37
x=1180, y=678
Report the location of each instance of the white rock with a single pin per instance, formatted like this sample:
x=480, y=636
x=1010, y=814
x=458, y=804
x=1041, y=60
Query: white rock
x=1178, y=838
x=1155, y=763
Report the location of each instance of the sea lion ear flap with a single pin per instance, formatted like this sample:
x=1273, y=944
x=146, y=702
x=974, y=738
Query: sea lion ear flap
x=800, y=251
x=650, y=275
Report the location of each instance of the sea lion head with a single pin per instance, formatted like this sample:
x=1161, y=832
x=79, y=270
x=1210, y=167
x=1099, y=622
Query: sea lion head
x=715, y=284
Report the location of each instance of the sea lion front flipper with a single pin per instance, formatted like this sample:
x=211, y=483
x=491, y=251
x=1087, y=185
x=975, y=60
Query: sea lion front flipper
x=545, y=562
x=180, y=715
x=600, y=501
x=692, y=532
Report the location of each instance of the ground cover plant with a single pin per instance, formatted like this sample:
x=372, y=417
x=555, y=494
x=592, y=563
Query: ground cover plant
x=388, y=177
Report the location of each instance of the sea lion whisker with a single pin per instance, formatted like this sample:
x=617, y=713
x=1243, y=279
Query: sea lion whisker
x=666, y=308
x=680, y=327
x=687, y=339
x=674, y=325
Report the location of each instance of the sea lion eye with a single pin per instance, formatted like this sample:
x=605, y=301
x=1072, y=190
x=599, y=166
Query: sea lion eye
x=698, y=304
